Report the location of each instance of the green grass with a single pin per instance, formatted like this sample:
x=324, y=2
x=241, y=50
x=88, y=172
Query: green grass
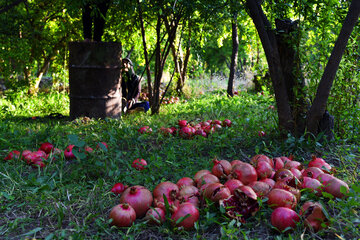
x=72, y=199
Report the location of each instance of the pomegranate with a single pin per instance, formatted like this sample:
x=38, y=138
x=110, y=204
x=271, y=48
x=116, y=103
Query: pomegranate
x=200, y=132
x=293, y=164
x=25, y=153
x=337, y=188
x=281, y=198
x=12, y=155
x=46, y=147
x=226, y=123
x=244, y=172
x=186, y=132
x=122, y=215
x=242, y=205
x=38, y=164
x=284, y=184
x=118, y=188
x=139, y=197
x=259, y=158
x=216, y=192
x=268, y=181
x=139, y=164
x=145, y=129
x=169, y=189
x=88, y=149
x=313, y=214
x=207, y=178
x=297, y=173
x=282, y=174
x=263, y=170
x=260, y=188
x=188, y=191
x=261, y=133
x=233, y=184
x=68, y=152
x=182, y=123
x=189, y=215
x=313, y=184
x=221, y=168
x=235, y=162
x=185, y=181
x=278, y=163
x=320, y=163
x=155, y=216
x=166, y=131
x=325, y=178
x=283, y=218
x=312, y=172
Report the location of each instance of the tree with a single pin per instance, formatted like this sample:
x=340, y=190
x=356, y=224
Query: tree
x=268, y=39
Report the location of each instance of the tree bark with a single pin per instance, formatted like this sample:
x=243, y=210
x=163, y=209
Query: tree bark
x=318, y=107
x=146, y=55
x=234, y=55
x=269, y=44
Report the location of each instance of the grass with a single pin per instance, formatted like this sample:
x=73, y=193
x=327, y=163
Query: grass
x=71, y=199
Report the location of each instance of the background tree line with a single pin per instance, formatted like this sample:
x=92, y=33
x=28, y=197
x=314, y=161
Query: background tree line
x=189, y=38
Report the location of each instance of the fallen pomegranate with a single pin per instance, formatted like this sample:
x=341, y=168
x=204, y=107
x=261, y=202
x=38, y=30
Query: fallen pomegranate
x=145, y=129
x=242, y=205
x=283, y=218
x=245, y=172
x=281, y=198
x=221, y=168
x=320, y=163
x=68, y=152
x=155, y=216
x=118, y=188
x=12, y=155
x=122, y=215
x=46, y=147
x=185, y=216
x=313, y=214
x=139, y=164
x=139, y=197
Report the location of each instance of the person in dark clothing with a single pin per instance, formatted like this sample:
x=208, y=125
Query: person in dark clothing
x=131, y=88
x=94, y=11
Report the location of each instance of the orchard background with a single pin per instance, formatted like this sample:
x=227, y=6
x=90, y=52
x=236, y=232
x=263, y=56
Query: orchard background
x=71, y=199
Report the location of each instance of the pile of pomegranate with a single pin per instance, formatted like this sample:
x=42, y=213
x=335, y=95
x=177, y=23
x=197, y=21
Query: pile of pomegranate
x=48, y=153
x=237, y=187
x=188, y=129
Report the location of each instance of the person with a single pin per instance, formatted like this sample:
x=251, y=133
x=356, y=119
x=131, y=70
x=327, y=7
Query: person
x=131, y=89
x=94, y=11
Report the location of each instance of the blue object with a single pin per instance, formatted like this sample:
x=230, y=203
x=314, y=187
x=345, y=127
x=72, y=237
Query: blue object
x=145, y=105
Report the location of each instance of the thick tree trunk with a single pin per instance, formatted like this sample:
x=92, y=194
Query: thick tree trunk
x=287, y=36
x=269, y=44
x=318, y=107
x=234, y=56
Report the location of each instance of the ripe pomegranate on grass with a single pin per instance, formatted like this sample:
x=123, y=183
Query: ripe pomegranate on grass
x=244, y=172
x=122, y=215
x=145, y=129
x=189, y=213
x=337, y=188
x=170, y=190
x=118, y=188
x=139, y=197
x=221, y=168
x=185, y=181
x=312, y=172
x=139, y=164
x=259, y=158
x=242, y=205
x=216, y=192
x=12, y=155
x=68, y=152
x=226, y=123
x=155, y=216
x=233, y=184
x=313, y=214
x=46, y=147
x=281, y=198
x=207, y=178
x=283, y=218
x=320, y=163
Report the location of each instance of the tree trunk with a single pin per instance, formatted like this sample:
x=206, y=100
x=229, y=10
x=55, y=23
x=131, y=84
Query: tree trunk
x=234, y=56
x=41, y=72
x=268, y=41
x=318, y=107
x=287, y=35
x=146, y=56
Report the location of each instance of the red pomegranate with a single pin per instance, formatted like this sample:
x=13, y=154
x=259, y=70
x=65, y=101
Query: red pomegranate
x=283, y=218
x=313, y=214
x=122, y=215
x=200, y=173
x=263, y=170
x=246, y=173
x=260, y=188
x=184, y=210
x=185, y=181
x=46, y=147
x=242, y=205
x=281, y=198
x=312, y=172
x=233, y=184
x=221, y=168
x=207, y=178
x=278, y=163
x=261, y=157
x=313, y=184
x=155, y=216
x=337, y=188
x=320, y=163
x=235, y=162
x=268, y=181
x=139, y=197
x=216, y=192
